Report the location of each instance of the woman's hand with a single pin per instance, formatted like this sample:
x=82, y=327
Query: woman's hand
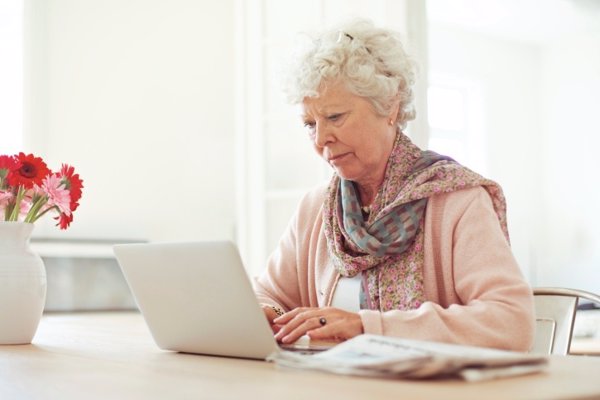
x=318, y=323
x=271, y=314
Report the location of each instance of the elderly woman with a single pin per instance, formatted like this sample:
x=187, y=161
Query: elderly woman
x=401, y=242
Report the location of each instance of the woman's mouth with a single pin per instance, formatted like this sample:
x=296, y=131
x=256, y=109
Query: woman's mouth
x=334, y=160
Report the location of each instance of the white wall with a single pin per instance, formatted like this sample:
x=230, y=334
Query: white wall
x=138, y=96
x=508, y=75
x=542, y=133
x=569, y=232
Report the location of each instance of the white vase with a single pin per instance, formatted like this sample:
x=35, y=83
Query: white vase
x=22, y=284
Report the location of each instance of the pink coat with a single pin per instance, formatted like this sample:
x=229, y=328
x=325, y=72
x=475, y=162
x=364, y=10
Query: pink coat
x=475, y=292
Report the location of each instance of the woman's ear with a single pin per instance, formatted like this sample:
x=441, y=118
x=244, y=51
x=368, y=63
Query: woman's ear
x=394, y=111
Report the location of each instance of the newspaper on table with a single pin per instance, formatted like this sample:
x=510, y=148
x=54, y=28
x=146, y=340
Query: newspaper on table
x=382, y=356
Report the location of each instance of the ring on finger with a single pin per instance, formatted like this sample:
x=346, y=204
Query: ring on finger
x=322, y=321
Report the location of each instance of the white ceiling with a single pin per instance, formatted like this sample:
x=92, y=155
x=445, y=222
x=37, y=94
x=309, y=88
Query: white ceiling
x=525, y=20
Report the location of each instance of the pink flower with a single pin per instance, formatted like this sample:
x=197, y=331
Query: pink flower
x=24, y=208
x=58, y=196
x=5, y=198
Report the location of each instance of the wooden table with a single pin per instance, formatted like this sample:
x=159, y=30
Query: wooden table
x=112, y=356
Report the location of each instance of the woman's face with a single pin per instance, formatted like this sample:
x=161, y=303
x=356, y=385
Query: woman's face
x=348, y=133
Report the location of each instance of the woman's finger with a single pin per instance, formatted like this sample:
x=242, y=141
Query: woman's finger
x=290, y=333
x=292, y=327
x=296, y=322
x=270, y=314
x=288, y=316
x=319, y=323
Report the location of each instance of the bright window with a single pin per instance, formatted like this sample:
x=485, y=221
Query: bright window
x=455, y=117
x=446, y=108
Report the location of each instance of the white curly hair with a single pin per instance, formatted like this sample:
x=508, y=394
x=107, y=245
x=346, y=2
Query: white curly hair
x=371, y=62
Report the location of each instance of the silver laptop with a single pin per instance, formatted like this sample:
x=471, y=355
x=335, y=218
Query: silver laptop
x=197, y=298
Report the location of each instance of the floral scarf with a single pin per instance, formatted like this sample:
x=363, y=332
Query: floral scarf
x=387, y=246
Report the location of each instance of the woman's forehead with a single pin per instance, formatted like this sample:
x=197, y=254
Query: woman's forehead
x=331, y=96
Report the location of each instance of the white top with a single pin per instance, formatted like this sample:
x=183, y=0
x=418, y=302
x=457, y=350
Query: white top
x=345, y=295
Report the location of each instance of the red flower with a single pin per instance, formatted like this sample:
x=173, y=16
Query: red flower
x=7, y=164
x=73, y=183
x=64, y=220
x=28, y=171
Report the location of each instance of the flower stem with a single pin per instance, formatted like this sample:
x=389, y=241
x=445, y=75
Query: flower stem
x=17, y=207
x=33, y=219
x=39, y=203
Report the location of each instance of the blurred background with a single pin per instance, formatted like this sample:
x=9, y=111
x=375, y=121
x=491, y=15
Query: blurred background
x=172, y=113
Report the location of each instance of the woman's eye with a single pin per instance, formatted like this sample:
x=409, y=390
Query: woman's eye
x=334, y=117
x=310, y=126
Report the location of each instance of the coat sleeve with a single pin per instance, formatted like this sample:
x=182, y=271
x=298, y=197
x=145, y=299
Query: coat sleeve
x=277, y=285
x=492, y=303
x=288, y=282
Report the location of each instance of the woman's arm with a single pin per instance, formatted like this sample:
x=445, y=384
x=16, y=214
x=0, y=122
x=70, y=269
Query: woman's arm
x=277, y=286
x=288, y=281
x=488, y=301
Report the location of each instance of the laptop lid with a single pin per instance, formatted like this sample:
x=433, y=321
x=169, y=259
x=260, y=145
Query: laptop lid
x=197, y=298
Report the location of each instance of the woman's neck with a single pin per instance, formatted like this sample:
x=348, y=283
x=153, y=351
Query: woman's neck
x=368, y=189
x=367, y=194
x=369, y=186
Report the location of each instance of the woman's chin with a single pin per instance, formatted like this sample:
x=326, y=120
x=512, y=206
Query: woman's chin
x=346, y=174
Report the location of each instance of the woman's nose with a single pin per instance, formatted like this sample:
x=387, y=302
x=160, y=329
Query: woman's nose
x=322, y=134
